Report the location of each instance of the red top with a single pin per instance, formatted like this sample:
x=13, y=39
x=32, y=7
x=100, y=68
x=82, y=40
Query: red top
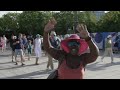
x=64, y=72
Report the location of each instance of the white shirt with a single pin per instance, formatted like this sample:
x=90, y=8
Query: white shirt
x=37, y=43
x=5, y=39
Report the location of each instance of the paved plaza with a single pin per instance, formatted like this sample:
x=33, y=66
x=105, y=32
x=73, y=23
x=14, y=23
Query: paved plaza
x=96, y=70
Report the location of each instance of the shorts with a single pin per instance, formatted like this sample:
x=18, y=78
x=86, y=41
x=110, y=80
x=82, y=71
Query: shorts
x=18, y=52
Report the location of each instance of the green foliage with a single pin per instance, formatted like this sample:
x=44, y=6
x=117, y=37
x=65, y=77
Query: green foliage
x=33, y=22
x=110, y=22
x=9, y=22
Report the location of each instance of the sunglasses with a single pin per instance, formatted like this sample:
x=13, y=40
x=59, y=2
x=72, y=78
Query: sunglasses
x=73, y=43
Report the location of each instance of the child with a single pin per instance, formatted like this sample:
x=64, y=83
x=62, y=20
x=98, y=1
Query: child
x=29, y=48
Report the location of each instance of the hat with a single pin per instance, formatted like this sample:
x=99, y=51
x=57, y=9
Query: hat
x=83, y=44
x=109, y=36
x=66, y=36
x=53, y=33
x=38, y=35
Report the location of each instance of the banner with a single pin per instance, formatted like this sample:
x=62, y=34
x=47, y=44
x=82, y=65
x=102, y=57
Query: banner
x=100, y=38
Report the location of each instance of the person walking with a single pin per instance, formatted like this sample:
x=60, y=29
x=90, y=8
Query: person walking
x=12, y=41
x=29, y=48
x=37, y=48
x=108, y=48
x=4, y=42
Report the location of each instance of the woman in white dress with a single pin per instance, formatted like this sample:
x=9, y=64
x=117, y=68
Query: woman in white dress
x=37, y=48
x=5, y=41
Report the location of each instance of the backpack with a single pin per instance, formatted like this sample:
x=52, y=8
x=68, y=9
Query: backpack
x=53, y=75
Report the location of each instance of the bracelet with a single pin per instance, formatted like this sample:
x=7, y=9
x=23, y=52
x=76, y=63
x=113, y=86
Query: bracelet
x=88, y=39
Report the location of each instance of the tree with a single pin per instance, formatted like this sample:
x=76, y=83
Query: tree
x=32, y=22
x=9, y=22
x=110, y=22
x=88, y=18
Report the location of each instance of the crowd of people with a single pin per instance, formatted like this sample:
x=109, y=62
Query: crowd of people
x=25, y=46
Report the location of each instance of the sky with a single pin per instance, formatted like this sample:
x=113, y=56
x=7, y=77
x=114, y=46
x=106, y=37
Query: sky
x=5, y=12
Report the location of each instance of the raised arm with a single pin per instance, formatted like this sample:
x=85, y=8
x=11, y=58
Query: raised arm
x=47, y=45
x=48, y=28
x=94, y=51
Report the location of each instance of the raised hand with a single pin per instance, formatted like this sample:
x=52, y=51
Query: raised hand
x=82, y=29
x=50, y=25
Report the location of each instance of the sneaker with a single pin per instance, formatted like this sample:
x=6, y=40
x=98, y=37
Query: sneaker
x=28, y=59
x=36, y=63
x=22, y=64
x=47, y=69
x=16, y=63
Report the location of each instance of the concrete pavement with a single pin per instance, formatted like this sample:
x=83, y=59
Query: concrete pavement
x=96, y=70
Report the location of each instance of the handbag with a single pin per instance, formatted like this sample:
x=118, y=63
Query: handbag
x=53, y=75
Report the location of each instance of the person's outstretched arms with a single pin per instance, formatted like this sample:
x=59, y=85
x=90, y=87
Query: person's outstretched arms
x=94, y=51
x=46, y=43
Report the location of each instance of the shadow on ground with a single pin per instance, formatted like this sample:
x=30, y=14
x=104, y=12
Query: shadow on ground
x=98, y=66
x=19, y=66
x=31, y=75
x=5, y=62
x=5, y=55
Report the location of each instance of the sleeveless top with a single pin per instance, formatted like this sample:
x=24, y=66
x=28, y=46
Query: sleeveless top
x=64, y=72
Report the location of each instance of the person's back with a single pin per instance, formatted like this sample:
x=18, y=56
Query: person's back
x=12, y=41
x=108, y=43
x=25, y=41
x=38, y=43
x=37, y=47
x=54, y=42
x=29, y=48
x=108, y=48
x=12, y=45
